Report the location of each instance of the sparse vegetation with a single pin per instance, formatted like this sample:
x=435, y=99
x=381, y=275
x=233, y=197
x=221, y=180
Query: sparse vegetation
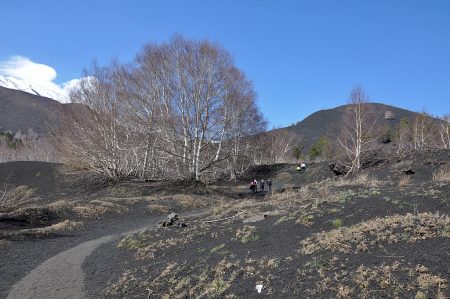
x=337, y=223
x=442, y=175
x=389, y=229
x=247, y=234
x=332, y=238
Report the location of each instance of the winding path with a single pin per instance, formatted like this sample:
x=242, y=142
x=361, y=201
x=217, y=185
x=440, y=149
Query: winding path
x=61, y=276
x=58, y=277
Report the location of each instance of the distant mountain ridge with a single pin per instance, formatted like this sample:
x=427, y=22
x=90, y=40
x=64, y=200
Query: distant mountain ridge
x=34, y=88
x=21, y=110
x=322, y=122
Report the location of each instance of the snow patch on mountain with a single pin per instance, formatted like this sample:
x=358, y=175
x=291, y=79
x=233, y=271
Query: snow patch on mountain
x=21, y=73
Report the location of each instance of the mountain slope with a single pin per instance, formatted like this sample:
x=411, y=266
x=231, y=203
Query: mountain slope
x=324, y=122
x=51, y=91
x=20, y=110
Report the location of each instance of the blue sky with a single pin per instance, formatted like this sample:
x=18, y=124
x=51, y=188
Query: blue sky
x=301, y=55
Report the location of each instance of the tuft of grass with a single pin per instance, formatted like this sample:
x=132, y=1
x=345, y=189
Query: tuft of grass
x=343, y=196
x=247, y=234
x=283, y=177
x=283, y=219
x=96, y=208
x=219, y=286
x=306, y=220
x=337, y=223
x=404, y=181
x=442, y=175
x=158, y=208
x=333, y=211
x=134, y=242
x=219, y=249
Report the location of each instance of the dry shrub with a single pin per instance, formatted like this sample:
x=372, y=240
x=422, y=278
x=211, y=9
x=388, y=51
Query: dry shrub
x=96, y=208
x=283, y=177
x=404, y=164
x=18, y=196
x=131, y=200
x=362, y=178
x=404, y=181
x=385, y=277
x=61, y=205
x=65, y=225
x=442, y=175
x=157, y=208
x=190, y=202
x=226, y=208
x=360, y=236
x=154, y=241
x=344, y=291
x=3, y=242
x=398, y=279
x=203, y=281
x=247, y=234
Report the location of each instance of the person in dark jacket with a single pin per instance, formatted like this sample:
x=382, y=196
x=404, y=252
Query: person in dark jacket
x=253, y=186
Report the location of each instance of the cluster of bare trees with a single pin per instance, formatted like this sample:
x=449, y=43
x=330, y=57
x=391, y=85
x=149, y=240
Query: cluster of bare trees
x=444, y=131
x=180, y=110
x=423, y=132
x=26, y=147
x=361, y=127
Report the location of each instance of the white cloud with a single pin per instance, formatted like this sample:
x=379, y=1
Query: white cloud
x=29, y=76
x=23, y=68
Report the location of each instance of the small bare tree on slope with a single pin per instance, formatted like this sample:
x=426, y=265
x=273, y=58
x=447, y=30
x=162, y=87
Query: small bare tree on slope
x=357, y=131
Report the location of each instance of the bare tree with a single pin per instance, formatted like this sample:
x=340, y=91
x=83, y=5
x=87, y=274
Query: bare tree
x=423, y=129
x=278, y=146
x=358, y=128
x=403, y=135
x=180, y=110
x=444, y=131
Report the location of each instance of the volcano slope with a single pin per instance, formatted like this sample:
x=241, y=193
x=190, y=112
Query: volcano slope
x=383, y=233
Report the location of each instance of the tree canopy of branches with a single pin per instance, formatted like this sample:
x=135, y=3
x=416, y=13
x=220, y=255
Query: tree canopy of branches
x=358, y=129
x=444, y=131
x=180, y=110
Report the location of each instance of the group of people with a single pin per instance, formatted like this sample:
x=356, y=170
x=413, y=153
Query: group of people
x=262, y=185
x=254, y=183
x=301, y=167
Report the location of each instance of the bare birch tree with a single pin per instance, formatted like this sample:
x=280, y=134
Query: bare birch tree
x=423, y=131
x=444, y=131
x=359, y=125
x=178, y=111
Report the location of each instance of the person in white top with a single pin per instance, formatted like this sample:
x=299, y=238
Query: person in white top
x=303, y=166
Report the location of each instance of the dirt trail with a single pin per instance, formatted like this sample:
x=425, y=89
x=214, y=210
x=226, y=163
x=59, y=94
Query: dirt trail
x=62, y=276
x=58, y=277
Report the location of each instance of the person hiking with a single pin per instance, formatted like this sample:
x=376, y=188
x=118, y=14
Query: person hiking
x=303, y=166
x=262, y=185
x=269, y=184
x=253, y=186
x=298, y=168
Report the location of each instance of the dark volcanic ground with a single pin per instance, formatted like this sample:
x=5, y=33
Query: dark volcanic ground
x=228, y=258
